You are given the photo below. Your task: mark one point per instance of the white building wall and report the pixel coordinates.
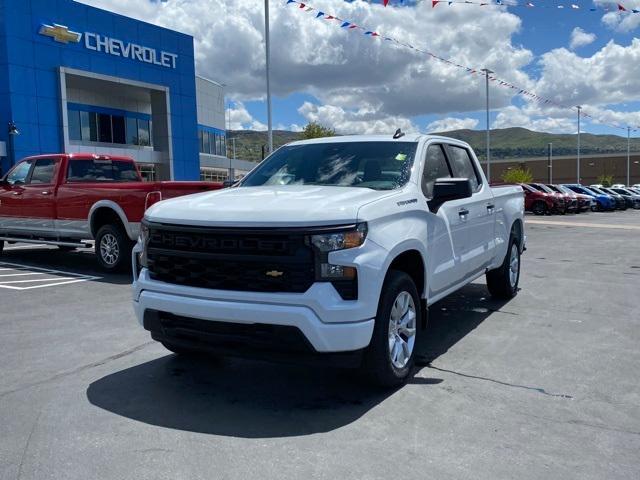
(210, 103)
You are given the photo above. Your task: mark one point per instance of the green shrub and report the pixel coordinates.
(517, 175)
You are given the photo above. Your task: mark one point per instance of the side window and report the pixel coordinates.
(43, 171)
(435, 166)
(88, 170)
(462, 165)
(20, 173)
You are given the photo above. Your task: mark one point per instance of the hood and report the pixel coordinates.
(267, 206)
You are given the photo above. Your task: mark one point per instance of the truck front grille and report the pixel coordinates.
(252, 260)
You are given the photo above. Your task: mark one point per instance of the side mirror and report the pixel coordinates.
(448, 189)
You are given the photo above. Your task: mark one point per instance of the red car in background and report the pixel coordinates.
(538, 201)
(580, 203)
(561, 199)
(65, 199)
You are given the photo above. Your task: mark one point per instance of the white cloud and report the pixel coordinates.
(451, 123)
(354, 122)
(621, 21)
(240, 119)
(530, 118)
(580, 38)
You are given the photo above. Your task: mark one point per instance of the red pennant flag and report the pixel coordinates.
(385, 2)
(434, 3)
(621, 8)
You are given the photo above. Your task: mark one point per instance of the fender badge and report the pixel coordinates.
(274, 274)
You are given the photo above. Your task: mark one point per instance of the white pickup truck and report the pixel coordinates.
(331, 249)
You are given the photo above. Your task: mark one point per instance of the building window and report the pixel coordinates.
(132, 130)
(147, 172)
(104, 128)
(75, 131)
(211, 143)
(126, 129)
(118, 124)
(214, 174)
(144, 133)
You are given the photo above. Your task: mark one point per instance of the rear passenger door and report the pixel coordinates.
(477, 212)
(38, 197)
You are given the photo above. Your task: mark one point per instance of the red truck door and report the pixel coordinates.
(27, 203)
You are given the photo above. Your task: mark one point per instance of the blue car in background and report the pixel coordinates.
(601, 202)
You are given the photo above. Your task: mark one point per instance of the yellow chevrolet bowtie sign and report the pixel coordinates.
(60, 33)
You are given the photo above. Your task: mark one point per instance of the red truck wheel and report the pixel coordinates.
(113, 248)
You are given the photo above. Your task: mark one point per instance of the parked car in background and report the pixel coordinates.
(570, 199)
(600, 201)
(64, 199)
(620, 202)
(583, 202)
(632, 197)
(618, 185)
(620, 199)
(636, 185)
(537, 201)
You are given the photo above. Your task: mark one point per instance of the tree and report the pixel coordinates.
(517, 175)
(605, 180)
(315, 130)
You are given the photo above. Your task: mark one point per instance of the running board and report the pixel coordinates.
(46, 242)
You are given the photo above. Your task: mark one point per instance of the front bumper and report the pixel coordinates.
(323, 337)
(327, 322)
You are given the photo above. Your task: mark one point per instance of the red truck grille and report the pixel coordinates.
(266, 260)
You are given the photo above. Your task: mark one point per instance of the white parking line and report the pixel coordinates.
(54, 277)
(19, 274)
(38, 280)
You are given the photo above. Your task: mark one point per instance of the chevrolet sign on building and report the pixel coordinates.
(112, 46)
(80, 79)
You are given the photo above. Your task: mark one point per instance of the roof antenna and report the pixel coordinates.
(399, 134)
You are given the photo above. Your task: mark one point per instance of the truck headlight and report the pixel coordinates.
(144, 241)
(330, 242)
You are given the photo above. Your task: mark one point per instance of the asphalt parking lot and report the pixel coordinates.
(544, 386)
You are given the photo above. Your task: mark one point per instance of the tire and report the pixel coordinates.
(539, 208)
(113, 248)
(503, 281)
(386, 363)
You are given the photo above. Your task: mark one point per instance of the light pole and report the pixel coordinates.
(578, 160)
(628, 156)
(268, 65)
(486, 75)
(12, 131)
(550, 158)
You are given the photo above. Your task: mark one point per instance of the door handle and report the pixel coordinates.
(46, 192)
(491, 207)
(463, 212)
(17, 193)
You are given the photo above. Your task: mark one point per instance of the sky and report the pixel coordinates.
(354, 83)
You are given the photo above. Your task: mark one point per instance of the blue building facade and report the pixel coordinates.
(77, 78)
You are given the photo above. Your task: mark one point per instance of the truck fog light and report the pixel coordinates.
(328, 270)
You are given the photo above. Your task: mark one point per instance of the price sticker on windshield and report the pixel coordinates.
(401, 157)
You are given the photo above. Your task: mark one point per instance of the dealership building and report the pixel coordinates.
(74, 78)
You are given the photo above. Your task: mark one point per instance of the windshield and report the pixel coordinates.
(592, 191)
(544, 188)
(375, 165)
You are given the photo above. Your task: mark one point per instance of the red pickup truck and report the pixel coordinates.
(66, 199)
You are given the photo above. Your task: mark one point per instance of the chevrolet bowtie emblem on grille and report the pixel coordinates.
(274, 274)
(60, 33)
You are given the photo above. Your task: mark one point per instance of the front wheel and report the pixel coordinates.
(389, 359)
(503, 281)
(539, 208)
(113, 248)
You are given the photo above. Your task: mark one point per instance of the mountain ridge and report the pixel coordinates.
(514, 142)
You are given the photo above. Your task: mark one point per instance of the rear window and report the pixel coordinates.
(101, 170)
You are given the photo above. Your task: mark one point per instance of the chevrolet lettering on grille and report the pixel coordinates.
(204, 243)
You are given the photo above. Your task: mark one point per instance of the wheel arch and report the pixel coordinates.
(107, 212)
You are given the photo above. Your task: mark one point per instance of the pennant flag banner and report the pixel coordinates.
(353, 27)
(612, 6)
